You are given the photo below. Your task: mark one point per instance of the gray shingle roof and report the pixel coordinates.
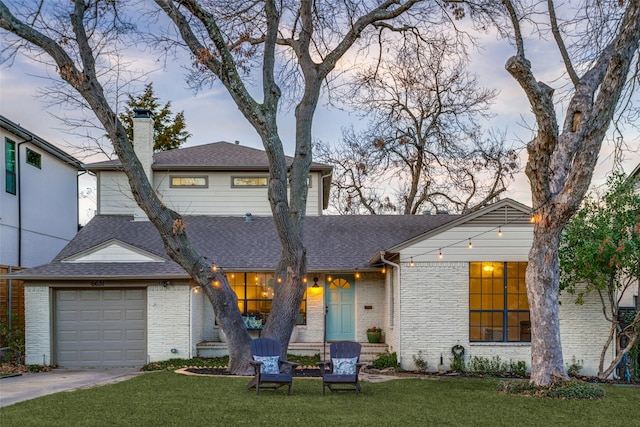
(334, 243)
(214, 156)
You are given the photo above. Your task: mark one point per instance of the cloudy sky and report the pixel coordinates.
(212, 116)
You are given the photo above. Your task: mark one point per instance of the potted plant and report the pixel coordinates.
(374, 334)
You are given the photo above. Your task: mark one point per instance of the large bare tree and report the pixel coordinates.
(225, 39)
(561, 159)
(424, 147)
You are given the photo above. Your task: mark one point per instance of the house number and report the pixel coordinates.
(97, 283)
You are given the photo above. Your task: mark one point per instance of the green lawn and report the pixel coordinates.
(169, 399)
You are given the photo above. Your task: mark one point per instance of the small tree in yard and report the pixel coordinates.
(600, 252)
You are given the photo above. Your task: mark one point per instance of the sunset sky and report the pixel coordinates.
(212, 116)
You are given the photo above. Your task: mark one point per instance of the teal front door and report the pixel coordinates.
(340, 304)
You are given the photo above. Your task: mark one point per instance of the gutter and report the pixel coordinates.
(396, 267)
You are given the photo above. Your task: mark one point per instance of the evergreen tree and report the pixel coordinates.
(169, 130)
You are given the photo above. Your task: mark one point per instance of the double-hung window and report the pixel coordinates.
(498, 304)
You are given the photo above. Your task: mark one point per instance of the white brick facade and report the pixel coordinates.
(435, 316)
(168, 321)
(38, 325)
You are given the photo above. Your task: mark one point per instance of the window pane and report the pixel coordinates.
(249, 181)
(475, 269)
(474, 286)
(34, 158)
(498, 286)
(498, 302)
(475, 302)
(188, 181)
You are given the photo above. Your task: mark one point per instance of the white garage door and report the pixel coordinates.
(100, 327)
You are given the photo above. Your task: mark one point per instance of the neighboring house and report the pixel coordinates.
(629, 299)
(113, 297)
(38, 198)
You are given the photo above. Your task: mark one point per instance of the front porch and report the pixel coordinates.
(368, 353)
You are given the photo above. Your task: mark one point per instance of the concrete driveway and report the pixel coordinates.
(29, 386)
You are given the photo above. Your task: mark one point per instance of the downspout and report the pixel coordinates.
(321, 185)
(395, 267)
(19, 167)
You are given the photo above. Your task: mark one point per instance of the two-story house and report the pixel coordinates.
(113, 297)
(38, 197)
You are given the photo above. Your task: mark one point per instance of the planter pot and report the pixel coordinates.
(374, 337)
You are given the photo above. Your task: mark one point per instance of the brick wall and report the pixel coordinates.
(168, 321)
(38, 325)
(434, 311)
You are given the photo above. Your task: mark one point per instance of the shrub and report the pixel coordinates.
(573, 369)
(421, 364)
(559, 390)
(385, 360)
(484, 365)
(458, 365)
(518, 368)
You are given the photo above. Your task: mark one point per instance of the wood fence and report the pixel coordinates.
(17, 298)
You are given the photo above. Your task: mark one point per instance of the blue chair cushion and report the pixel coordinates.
(344, 366)
(269, 365)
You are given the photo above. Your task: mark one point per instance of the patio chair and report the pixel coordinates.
(269, 369)
(341, 372)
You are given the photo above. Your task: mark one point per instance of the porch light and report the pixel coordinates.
(316, 289)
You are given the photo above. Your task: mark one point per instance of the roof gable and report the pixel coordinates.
(113, 251)
(504, 212)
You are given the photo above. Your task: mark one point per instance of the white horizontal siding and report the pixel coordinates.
(114, 194)
(514, 245)
(219, 198)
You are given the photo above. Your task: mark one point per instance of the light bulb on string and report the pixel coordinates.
(470, 244)
(499, 231)
(411, 263)
(440, 254)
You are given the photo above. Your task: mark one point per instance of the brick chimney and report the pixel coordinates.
(143, 146)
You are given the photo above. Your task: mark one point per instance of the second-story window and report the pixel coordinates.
(34, 159)
(189, 181)
(10, 165)
(249, 181)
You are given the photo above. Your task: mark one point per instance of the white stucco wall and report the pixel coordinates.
(168, 321)
(38, 325)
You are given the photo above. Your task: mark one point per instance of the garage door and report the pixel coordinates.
(100, 327)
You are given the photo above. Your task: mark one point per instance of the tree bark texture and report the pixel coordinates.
(560, 167)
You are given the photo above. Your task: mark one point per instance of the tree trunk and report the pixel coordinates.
(542, 276)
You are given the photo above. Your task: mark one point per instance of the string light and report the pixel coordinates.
(532, 215)
(384, 270)
(357, 274)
